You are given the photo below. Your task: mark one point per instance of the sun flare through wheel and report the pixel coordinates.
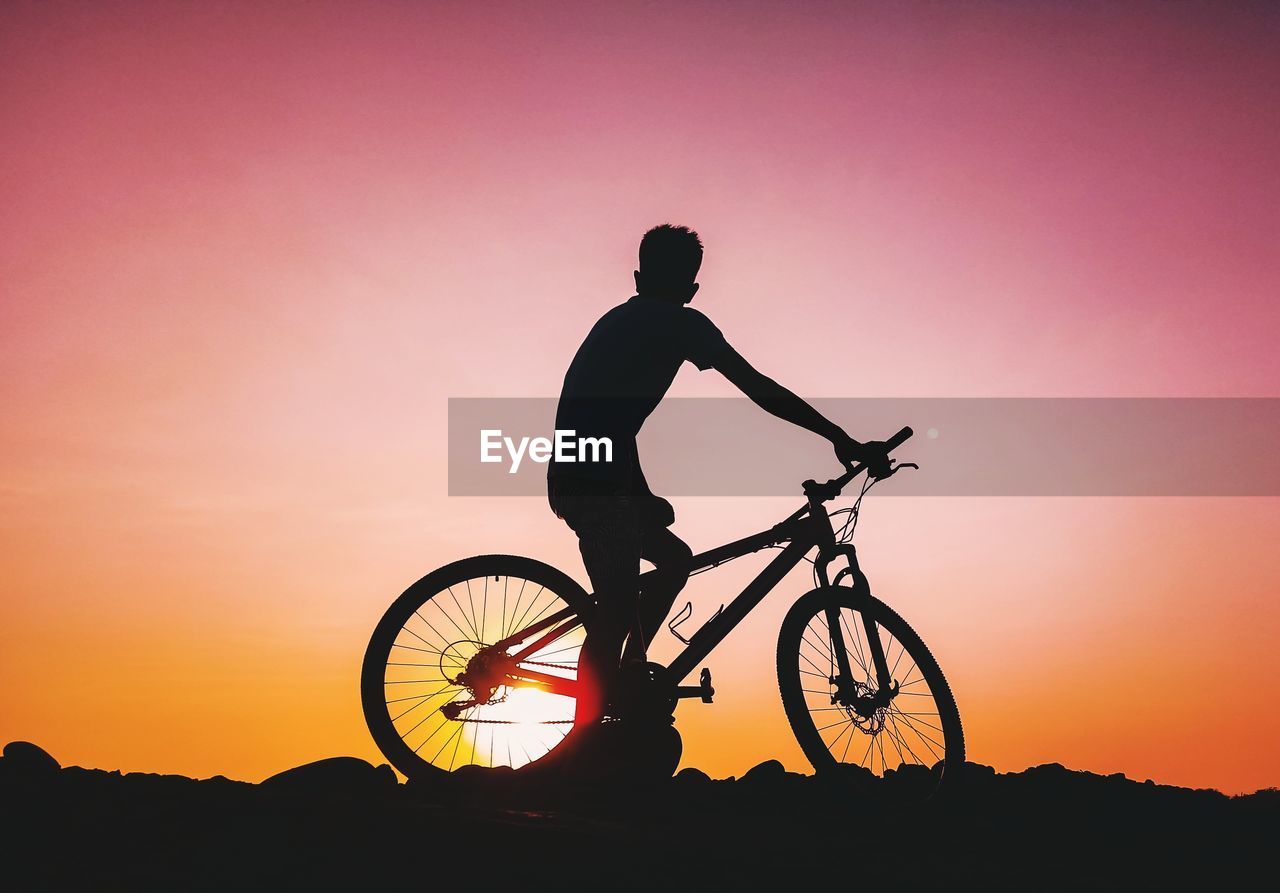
(462, 669)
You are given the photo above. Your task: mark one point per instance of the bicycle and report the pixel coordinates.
(433, 692)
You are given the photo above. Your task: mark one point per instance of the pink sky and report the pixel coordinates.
(249, 250)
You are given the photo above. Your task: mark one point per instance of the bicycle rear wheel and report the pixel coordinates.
(917, 731)
(432, 655)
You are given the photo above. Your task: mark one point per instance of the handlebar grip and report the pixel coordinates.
(899, 439)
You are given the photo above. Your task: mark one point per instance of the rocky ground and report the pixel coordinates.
(346, 824)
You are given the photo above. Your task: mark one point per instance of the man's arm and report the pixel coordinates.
(777, 400)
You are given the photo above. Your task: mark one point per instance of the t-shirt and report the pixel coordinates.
(620, 374)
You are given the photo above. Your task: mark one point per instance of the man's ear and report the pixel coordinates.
(636, 273)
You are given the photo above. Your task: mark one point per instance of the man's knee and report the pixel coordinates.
(681, 559)
(670, 555)
(661, 545)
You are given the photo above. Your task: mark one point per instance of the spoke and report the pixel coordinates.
(832, 746)
(418, 613)
(884, 763)
(919, 734)
(414, 634)
(894, 671)
(407, 698)
(475, 634)
(832, 661)
(575, 646)
(392, 663)
(507, 625)
(502, 624)
(405, 736)
(904, 716)
(870, 745)
(903, 741)
(856, 638)
(836, 723)
(811, 663)
(844, 754)
(894, 742)
(453, 758)
(919, 737)
(479, 627)
(424, 699)
(414, 648)
(826, 656)
(822, 649)
(447, 616)
(913, 681)
(492, 732)
(825, 677)
(551, 604)
(537, 595)
(456, 733)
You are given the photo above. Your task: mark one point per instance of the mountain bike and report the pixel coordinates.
(476, 663)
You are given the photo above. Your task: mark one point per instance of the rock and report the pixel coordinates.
(24, 759)
(973, 777)
(693, 778)
(469, 778)
(336, 775)
(770, 771)
(626, 752)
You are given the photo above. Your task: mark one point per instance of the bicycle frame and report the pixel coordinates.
(807, 528)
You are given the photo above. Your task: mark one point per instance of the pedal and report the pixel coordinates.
(702, 690)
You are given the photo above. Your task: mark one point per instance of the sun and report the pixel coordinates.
(520, 728)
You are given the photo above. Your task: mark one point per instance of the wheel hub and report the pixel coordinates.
(482, 676)
(865, 706)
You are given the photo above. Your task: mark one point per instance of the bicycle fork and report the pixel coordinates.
(847, 689)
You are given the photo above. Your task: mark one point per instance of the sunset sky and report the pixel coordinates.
(249, 250)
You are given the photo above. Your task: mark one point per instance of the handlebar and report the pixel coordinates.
(899, 439)
(831, 489)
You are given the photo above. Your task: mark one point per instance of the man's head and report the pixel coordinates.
(669, 260)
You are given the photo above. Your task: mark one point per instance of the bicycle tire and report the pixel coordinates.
(800, 710)
(374, 670)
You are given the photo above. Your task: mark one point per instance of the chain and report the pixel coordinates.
(535, 663)
(512, 722)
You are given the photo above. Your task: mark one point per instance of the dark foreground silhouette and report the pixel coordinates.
(344, 822)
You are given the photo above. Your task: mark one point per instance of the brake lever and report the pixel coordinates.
(895, 468)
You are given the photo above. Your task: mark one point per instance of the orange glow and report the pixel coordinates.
(249, 250)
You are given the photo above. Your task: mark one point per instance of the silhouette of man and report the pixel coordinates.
(617, 378)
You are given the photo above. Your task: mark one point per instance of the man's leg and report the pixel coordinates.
(609, 540)
(670, 557)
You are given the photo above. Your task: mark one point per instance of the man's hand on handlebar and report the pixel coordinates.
(874, 454)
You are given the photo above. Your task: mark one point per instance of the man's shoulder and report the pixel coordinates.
(680, 314)
(696, 317)
(639, 316)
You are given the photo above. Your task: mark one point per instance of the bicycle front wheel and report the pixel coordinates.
(916, 729)
(436, 685)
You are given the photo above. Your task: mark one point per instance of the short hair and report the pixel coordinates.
(670, 255)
